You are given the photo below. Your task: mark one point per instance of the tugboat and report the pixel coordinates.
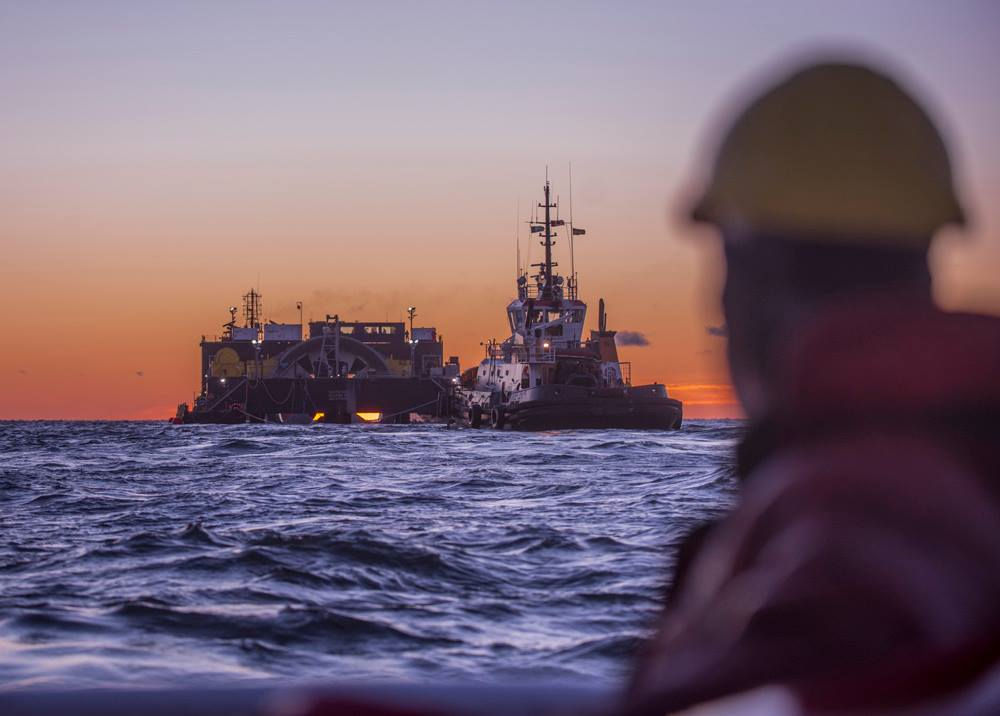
(545, 376)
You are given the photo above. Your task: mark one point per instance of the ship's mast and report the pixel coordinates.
(251, 309)
(547, 266)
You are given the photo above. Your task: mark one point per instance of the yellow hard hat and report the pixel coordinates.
(835, 153)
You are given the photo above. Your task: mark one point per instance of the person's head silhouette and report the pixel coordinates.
(834, 180)
(852, 575)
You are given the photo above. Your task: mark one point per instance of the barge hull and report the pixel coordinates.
(330, 400)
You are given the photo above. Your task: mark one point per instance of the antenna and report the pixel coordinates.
(517, 236)
(572, 258)
(527, 261)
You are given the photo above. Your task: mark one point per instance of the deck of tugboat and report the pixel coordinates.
(533, 353)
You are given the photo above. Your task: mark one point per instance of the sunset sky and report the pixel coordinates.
(158, 159)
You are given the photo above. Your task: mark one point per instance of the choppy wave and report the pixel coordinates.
(155, 554)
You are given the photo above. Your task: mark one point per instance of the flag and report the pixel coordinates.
(557, 222)
(579, 232)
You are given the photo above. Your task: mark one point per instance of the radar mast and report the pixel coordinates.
(544, 276)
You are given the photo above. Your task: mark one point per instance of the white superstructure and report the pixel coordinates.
(546, 344)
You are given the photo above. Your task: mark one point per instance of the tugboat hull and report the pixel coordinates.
(565, 407)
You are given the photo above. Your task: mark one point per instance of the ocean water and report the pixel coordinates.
(157, 555)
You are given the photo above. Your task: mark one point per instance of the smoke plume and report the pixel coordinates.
(631, 338)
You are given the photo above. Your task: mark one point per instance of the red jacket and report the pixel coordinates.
(862, 566)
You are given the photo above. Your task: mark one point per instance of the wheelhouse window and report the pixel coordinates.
(515, 318)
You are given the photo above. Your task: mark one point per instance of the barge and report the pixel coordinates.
(343, 372)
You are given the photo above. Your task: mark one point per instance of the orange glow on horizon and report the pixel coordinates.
(151, 176)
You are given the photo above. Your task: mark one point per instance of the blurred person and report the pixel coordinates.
(860, 571)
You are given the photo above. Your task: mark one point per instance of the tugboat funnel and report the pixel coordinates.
(604, 338)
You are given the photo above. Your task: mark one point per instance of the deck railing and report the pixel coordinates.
(524, 353)
(531, 290)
